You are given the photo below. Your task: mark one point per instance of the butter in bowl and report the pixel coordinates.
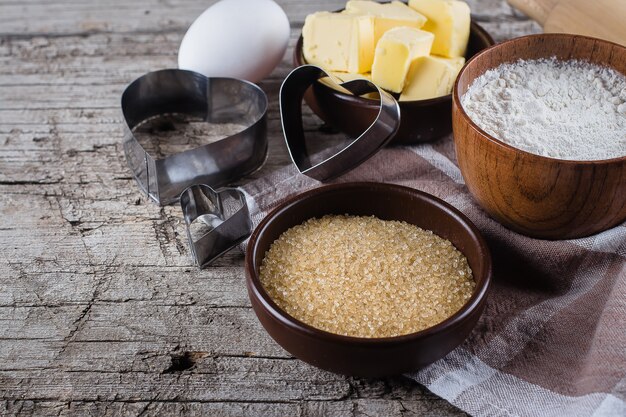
(413, 51)
(395, 45)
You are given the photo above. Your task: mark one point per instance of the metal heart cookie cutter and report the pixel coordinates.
(219, 219)
(216, 221)
(215, 100)
(360, 149)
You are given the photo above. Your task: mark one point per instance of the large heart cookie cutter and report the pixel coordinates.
(377, 135)
(216, 221)
(215, 100)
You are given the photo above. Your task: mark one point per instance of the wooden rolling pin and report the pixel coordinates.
(605, 19)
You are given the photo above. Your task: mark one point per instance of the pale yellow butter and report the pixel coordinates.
(449, 20)
(387, 15)
(344, 77)
(349, 76)
(394, 54)
(456, 63)
(338, 41)
(431, 77)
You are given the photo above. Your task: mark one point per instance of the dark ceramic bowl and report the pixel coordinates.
(421, 120)
(371, 357)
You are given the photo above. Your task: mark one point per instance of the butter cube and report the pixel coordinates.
(344, 76)
(386, 16)
(339, 42)
(431, 77)
(349, 76)
(449, 20)
(394, 54)
(456, 63)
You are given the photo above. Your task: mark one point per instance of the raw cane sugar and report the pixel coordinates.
(366, 277)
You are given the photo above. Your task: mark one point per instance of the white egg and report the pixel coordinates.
(243, 39)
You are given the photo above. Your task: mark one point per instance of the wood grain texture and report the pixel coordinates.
(602, 19)
(101, 310)
(538, 10)
(538, 196)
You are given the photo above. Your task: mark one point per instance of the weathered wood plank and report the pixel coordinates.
(202, 380)
(70, 17)
(357, 408)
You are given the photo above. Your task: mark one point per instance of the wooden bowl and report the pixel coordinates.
(534, 195)
(372, 357)
(422, 120)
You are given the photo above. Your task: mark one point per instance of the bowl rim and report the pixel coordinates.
(298, 59)
(508, 43)
(277, 313)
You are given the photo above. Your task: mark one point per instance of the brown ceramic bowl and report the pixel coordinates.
(372, 357)
(421, 120)
(534, 195)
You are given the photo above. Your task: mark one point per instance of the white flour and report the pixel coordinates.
(561, 109)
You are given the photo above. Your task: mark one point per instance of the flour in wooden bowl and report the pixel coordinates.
(570, 110)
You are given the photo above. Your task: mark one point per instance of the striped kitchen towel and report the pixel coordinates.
(552, 340)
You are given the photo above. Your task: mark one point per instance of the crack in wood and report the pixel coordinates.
(85, 34)
(183, 361)
(79, 322)
(30, 182)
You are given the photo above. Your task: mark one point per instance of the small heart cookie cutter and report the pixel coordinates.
(360, 149)
(216, 221)
(215, 100)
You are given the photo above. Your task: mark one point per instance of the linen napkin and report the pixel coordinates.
(552, 340)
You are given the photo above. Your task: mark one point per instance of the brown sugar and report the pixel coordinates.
(366, 277)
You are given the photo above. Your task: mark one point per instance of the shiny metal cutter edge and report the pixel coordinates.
(377, 135)
(224, 216)
(216, 100)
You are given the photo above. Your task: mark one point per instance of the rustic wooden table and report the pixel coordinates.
(101, 310)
